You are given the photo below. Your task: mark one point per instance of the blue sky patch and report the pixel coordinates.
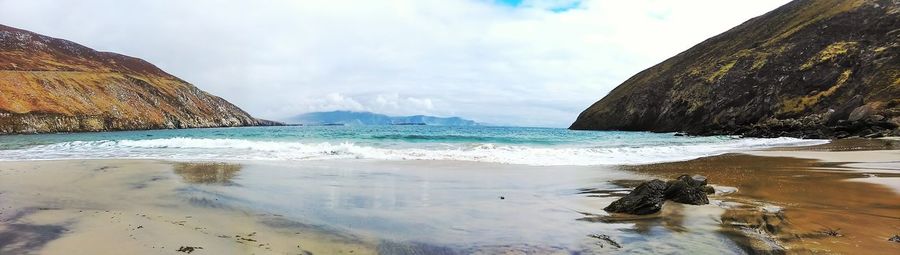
(562, 7)
(513, 3)
(554, 6)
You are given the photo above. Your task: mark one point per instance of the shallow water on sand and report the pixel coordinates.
(764, 204)
(464, 207)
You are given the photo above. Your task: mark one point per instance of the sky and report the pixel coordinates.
(504, 62)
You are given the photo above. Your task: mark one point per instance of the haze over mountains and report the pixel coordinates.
(368, 118)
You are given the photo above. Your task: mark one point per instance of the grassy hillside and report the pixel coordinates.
(54, 85)
(799, 70)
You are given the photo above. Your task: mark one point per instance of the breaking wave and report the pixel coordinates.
(181, 148)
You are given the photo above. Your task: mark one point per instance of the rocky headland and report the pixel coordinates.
(54, 85)
(808, 69)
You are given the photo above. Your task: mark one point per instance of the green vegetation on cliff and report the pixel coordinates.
(811, 68)
(54, 85)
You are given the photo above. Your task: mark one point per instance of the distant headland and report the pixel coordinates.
(351, 118)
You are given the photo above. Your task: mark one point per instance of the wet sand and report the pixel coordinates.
(832, 198)
(332, 207)
(835, 200)
(132, 207)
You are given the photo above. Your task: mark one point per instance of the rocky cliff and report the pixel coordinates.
(53, 85)
(811, 68)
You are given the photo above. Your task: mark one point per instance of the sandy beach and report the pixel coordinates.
(130, 207)
(823, 199)
(316, 207)
(842, 197)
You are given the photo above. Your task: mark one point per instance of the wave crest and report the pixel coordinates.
(182, 148)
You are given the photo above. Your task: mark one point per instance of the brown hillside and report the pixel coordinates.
(811, 68)
(53, 85)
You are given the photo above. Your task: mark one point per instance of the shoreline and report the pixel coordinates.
(96, 206)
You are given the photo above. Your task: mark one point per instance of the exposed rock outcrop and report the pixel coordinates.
(687, 190)
(810, 69)
(649, 197)
(646, 198)
(53, 85)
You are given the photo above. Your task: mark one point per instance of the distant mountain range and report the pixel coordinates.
(368, 118)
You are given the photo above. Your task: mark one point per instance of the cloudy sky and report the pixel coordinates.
(511, 62)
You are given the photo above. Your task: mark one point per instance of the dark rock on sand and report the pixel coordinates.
(709, 190)
(895, 238)
(843, 112)
(695, 181)
(832, 232)
(686, 191)
(647, 198)
(606, 239)
(189, 249)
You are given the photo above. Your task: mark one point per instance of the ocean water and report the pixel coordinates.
(393, 185)
(507, 145)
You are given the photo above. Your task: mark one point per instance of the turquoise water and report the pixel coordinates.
(362, 182)
(511, 145)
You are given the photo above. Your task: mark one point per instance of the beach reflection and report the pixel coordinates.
(430, 206)
(676, 228)
(207, 173)
(781, 204)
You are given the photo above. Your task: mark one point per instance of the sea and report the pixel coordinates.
(504, 145)
(419, 189)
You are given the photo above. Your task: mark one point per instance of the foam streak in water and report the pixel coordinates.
(181, 148)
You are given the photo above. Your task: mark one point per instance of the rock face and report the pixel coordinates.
(53, 85)
(687, 190)
(811, 69)
(648, 197)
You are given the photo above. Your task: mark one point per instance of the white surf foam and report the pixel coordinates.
(237, 149)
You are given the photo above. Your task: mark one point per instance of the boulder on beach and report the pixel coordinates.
(687, 190)
(682, 192)
(895, 238)
(648, 197)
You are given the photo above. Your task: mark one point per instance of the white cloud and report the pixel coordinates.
(391, 103)
(472, 58)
